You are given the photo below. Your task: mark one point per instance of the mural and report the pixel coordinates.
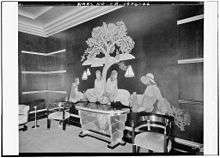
(109, 45)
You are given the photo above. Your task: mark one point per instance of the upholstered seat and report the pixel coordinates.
(152, 141)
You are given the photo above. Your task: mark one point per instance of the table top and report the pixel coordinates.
(60, 104)
(100, 108)
(59, 115)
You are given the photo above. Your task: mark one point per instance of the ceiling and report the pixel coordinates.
(47, 20)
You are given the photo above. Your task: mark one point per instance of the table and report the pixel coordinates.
(61, 115)
(102, 122)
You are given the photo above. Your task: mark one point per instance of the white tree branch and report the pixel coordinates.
(114, 43)
(103, 50)
(106, 45)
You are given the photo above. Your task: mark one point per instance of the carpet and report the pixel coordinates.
(56, 140)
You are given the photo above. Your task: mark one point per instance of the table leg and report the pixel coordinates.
(113, 140)
(48, 123)
(111, 145)
(64, 125)
(25, 128)
(83, 133)
(35, 118)
(123, 143)
(116, 137)
(134, 148)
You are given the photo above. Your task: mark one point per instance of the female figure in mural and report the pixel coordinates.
(113, 93)
(112, 86)
(96, 93)
(98, 86)
(152, 100)
(75, 95)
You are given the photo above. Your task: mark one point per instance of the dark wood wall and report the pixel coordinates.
(159, 43)
(190, 76)
(31, 63)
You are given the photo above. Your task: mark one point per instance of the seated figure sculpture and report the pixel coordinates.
(151, 100)
(75, 95)
(96, 93)
(115, 94)
(110, 94)
(112, 86)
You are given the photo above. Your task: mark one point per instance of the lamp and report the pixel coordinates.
(88, 72)
(129, 72)
(84, 76)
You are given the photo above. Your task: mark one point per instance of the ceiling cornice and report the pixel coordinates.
(72, 19)
(31, 29)
(33, 16)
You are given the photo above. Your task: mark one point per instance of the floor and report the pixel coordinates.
(43, 140)
(55, 141)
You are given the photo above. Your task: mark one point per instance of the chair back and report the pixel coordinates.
(23, 109)
(158, 127)
(147, 121)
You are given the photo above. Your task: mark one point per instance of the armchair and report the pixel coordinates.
(152, 132)
(23, 116)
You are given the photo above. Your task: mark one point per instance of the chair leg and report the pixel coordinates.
(68, 121)
(134, 148)
(64, 125)
(150, 151)
(138, 149)
(25, 128)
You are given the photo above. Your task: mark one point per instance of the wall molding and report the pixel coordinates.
(33, 53)
(53, 91)
(189, 102)
(33, 92)
(190, 61)
(44, 91)
(43, 72)
(43, 54)
(56, 52)
(190, 19)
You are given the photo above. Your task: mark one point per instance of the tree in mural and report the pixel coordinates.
(108, 45)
